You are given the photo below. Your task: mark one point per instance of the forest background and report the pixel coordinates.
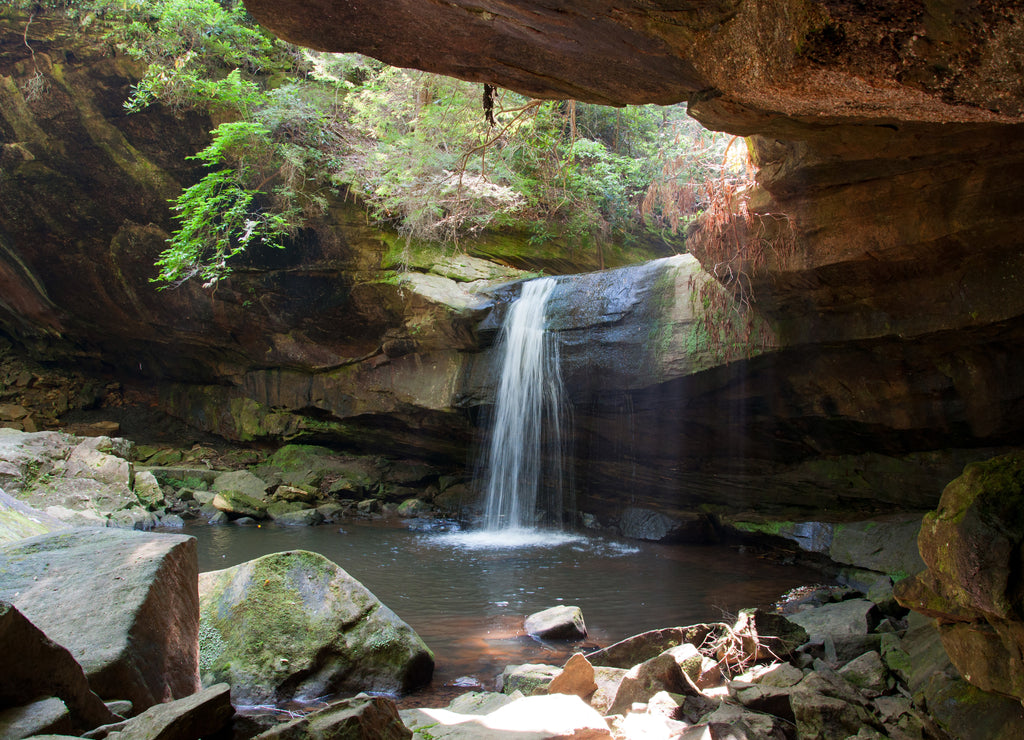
(436, 158)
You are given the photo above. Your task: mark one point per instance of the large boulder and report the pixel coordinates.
(124, 603)
(36, 667)
(974, 585)
(293, 625)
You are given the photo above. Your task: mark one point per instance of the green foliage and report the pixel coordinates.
(220, 215)
(298, 127)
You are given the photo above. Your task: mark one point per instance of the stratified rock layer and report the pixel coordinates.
(973, 586)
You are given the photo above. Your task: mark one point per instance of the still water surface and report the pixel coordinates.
(467, 598)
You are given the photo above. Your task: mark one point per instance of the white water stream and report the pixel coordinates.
(525, 484)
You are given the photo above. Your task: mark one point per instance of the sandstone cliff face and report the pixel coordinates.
(882, 242)
(888, 146)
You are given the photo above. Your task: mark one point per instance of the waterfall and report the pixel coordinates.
(524, 461)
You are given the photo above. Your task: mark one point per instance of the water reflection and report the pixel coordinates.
(468, 600)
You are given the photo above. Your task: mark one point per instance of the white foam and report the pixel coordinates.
(507, 539)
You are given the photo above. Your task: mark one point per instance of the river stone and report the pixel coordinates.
(643, 681)
(293, 625)
(849, 618)
(299, 518)
(237, 504)
(148, 491)
(359, 718)
(576, 677)
(607, 679)
(203, 714)
(240, 481)
(531, 679)
(557, 623)
(124, 603)
(87, 461)
(413, 507)
(36, 666)
(45, 716)
(294, 494)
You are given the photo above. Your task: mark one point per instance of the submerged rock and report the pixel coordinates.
(293, 625)
(123, 603)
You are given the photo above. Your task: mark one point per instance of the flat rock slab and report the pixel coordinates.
(843, 619)
(124, 603)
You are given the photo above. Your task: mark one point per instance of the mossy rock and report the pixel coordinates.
(237, 504)
(295, 626)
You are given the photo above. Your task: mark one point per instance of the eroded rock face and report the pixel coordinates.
(973, 587)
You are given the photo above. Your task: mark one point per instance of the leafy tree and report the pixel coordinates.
(437, 158)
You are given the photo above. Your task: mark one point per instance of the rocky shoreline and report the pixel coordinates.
(829, 662)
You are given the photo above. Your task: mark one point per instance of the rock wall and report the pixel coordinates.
(882, 354)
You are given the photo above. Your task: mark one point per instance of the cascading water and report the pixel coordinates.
(524, 466)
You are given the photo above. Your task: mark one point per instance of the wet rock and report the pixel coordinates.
(576, 677)
(293, 625)
(557, 623)
(124, 603)
(203, 714)
(300, 518)
(530, 679)
(35, 666)
(362, 717)
(648, 524)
